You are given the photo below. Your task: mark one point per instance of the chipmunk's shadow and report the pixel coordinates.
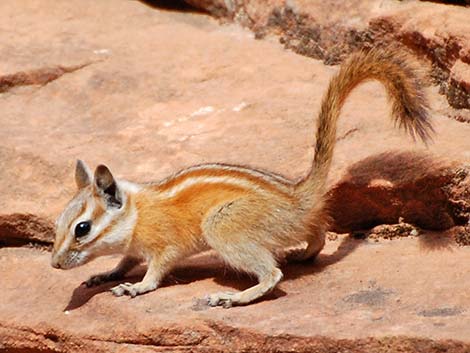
(171, 5)
(208, 265)
(193, 269)
(296, 270)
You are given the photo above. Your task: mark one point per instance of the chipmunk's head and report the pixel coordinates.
(99, 220)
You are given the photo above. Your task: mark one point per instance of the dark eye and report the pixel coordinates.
(82, 229)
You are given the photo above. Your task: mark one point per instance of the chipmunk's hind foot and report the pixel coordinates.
(315, 243)
(308, 253)
(229, 299)
(298, 255)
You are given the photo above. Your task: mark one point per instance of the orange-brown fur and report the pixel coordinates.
(246, 215)
(183, 214)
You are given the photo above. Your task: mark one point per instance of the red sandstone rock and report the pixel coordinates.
(386, 296)
(386, 187)
(330, 30)
(20, 229)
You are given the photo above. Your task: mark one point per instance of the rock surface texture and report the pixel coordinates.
(151, 87)
(329, 30)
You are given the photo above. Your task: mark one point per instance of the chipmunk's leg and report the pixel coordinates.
(252, 259)
(126, 264)
(316, 232)
(158, 266)
(315, 244)
(240, 245)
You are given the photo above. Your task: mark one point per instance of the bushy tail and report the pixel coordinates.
(409, 106)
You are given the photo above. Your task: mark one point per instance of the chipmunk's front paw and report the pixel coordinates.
(225, 299)
(101, 278)
(132, 289)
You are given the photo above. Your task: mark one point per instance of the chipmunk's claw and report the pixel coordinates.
(101, 278)
(132, 290)
(224, 299)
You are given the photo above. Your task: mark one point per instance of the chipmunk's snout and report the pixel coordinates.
(55, 263)
(69, 259)
(55, 260)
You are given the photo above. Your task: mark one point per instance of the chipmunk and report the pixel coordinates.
(245, 215)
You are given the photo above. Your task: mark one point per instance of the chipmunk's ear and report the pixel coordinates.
(82, 175)
(107, 186)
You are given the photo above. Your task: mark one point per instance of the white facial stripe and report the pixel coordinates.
(99, 225)
(208, 180)
(120, 232)
(64, 247)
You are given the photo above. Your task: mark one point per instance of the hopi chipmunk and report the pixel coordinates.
(246, 215)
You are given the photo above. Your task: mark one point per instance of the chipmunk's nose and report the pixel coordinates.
(55, 263)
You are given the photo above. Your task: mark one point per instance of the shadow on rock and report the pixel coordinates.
(82, 294)
(383, 188)
(322, 261)
(170, 5)
(208, 265)
(193, 269)
(437, 241)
